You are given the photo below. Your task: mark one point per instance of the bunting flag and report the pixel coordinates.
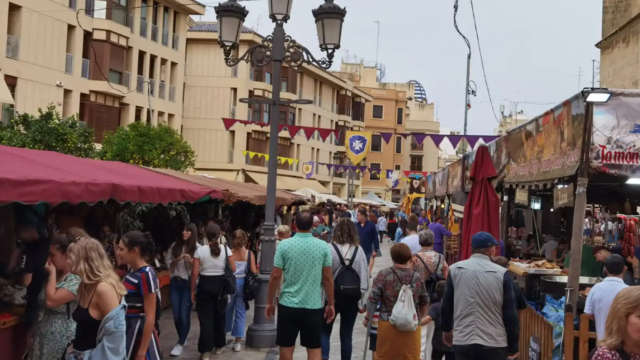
(338, 168)
(386, 137)
(472, 140)
(282, 159)
(307, 169)
(437, 139)
(404, 135)
(324, 133)
(329, 167)
(362, 169)
(419, 138)
(455, 140)
(357, 145)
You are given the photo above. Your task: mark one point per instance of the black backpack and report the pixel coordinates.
(347, 280)
(432, 280)
(251, 282)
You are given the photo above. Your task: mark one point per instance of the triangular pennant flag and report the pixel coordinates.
(295, 161)
(228, 123)
(338, 168)
(472, 140)
(281, 127)
(404, 135)
(308, 131)
(324, 133)
(424, 173)
(336, 133)
(244, 152)
(362, 169)
(293, 130)
(406, 173)
(419, 138)
(329, 166)
(266, 157)
(352, 168)
(437, 139)
(386, 137)
(455, 140)
(489, 138)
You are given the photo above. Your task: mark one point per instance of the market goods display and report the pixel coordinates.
(629, 239)
(540, 264)
(585, 292)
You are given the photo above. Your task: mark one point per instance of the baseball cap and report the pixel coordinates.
(483, 240)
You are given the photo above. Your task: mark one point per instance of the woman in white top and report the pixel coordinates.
(237, 310)
(382, 227)
(180, 260)
(211, 301)
(345, 240)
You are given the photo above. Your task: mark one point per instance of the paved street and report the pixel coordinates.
(169, 336)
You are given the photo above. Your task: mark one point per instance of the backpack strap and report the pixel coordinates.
(248, 269)
(425, 265)
(340, 254)
(353, 258)
(439, 260)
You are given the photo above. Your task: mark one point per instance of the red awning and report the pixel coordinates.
(34, 176)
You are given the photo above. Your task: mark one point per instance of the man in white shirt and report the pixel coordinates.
(602, 294)
(412, 239)
(550, 244)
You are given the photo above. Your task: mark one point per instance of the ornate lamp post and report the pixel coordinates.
(275, 48)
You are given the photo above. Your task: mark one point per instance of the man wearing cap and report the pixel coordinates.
(479, 316)
(593, 259)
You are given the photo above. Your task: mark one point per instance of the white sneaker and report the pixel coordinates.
(218, 351)
(177, 350)
(237, 347)
(205, 356)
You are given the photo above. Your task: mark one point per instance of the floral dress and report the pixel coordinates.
(602, 353)
(56, 328)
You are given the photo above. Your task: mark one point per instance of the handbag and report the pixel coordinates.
(229, 286)
(251, 281)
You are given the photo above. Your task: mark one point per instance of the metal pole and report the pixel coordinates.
(262, 333)
(350, 188)
(466, 98)
(593, 73)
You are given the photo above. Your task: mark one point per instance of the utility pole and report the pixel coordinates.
(580, 72)
(593, 73)
(467, 90)
(377, 49)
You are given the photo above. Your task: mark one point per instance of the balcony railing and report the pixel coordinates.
(13, 47)
(416, 147)
(126, 80)
(165, 37)
(175, 41)
(154, 33)
(72, 4)
(234, 71)
(143, 28)
(172, 93)
(152, 87)
(161, 89)
(140, 84)
(85, 68)
(68, 64)
(130, 22)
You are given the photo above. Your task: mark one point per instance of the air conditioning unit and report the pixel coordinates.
(232, 112)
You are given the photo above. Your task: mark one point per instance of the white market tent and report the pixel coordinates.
(373, 197)
(319, 197)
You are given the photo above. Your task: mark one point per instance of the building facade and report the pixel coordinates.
(510, 121)
(213, 91)
(110, 62)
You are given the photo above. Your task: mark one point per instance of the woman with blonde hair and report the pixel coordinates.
(236, 313)
(100, 314)
(622, 329)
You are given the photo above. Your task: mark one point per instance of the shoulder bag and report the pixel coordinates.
(229, 285)
(251, 281)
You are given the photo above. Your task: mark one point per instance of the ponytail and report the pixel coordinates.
(213, 232)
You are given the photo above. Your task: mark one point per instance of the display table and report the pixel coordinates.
(164, 278)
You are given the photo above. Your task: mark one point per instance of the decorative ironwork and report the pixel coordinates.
(295, 55)
(258, 54)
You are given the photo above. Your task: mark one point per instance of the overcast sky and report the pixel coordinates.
(532, 50)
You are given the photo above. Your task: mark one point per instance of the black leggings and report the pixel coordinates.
(211, 305)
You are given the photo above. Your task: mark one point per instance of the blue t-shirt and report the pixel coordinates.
(369, 237)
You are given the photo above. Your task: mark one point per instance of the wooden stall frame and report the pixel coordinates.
(583, 334)
(532, 323)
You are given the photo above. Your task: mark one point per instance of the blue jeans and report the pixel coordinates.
(181, 306)
(348, 315)
(236, 312)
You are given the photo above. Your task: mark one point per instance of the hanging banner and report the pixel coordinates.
(307, 169)
(357, 145)
(392, 178)
(469, 158)
(522, 197)
(547, 147)
(455, 177)
(431, 187)
(615, 141)
(563, 197)
(441, 182)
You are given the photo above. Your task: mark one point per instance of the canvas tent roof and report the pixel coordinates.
(373, 197)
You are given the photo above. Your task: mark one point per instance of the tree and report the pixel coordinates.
(146, 145)
(49, 131)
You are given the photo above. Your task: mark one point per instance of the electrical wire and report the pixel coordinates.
(484, 73)
(455, 24)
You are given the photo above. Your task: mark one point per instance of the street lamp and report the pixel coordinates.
(596, 95)
(275, 48)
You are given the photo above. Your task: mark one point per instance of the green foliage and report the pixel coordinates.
(49, 131)
(146, 145)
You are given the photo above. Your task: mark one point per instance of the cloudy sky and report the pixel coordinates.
(533, 50)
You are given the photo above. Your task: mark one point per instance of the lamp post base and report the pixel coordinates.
(261, 336)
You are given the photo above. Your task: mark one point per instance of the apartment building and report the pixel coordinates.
(396, 108)
(110, 62)
(510, 121)
(213, 90)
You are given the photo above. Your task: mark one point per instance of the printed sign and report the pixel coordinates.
(548, 147)
(469, 158)
(522, 197)
(441, 181)
(534, 348)
(455, 177)
(563, 197)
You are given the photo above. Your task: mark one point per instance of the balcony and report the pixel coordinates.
(154, 33)
(88, 7)
(13, 47)
(175, 41)
(140, 84)
(172, 93)
(165, 37)
(152, 87)
(143, 28)
(161, 89)
(72, 4)
(126, 80)
(85, 68)
(68, 64)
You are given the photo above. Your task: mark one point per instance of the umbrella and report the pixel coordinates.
(482, 210)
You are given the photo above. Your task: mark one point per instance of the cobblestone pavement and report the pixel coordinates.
(169, 336)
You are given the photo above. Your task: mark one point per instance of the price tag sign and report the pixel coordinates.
(534, 348)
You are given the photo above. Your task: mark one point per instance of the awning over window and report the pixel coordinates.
(219, 174)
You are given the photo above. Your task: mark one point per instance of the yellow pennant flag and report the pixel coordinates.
(357, 145)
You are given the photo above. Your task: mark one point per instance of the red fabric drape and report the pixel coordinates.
(482, 210)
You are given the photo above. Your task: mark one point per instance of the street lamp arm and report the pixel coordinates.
(258, 54)
(295, 55)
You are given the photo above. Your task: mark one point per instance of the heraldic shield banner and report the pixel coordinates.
(357, 145)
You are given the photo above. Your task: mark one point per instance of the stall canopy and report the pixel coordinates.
(306, 192)
(373, 197)
(234, 190)
(35, 176)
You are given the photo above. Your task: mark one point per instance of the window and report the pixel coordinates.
(282, 120)
(267, 78)
(374, 176)
(416, 163)
(376, 143)
(292, 118)
(285, 84)
(256, 112)
(399, 117)
(115, 77)
(398, 144)
(397, 167)
(378, 110)
(265, 114)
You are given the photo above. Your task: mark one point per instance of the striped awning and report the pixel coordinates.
(458, 200)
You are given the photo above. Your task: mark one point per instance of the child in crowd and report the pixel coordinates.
(440, 349)
(521, 301)
(373, 334)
